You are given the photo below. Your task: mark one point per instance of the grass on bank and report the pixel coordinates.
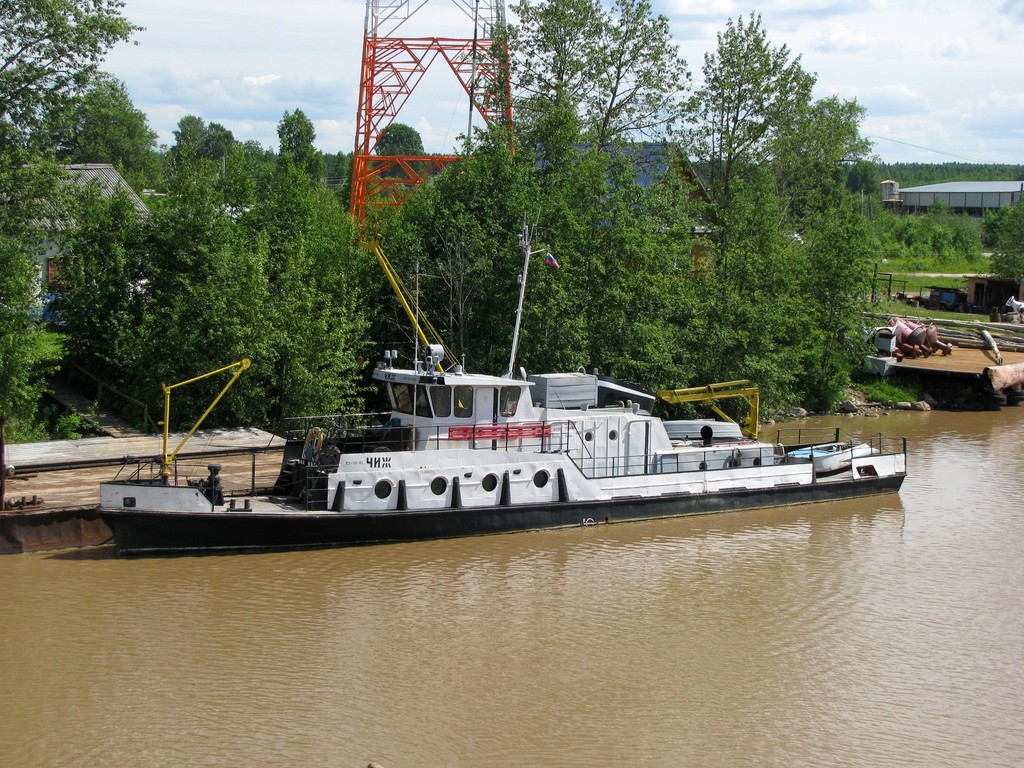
(887, 391)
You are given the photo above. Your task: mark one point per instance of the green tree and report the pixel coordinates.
(835, 283)
(102, 290)
(747, 317)
(751, 96)
(461, 231)
(20, 342)
(206, 292)
(297, 135)
(338, 175)
(810, 160)
(922, 242)
(103, 126)
(613, 301)
(399, 139)
(315, 302)
(50, 50)
(863, 176)
(642, 80)
(196, 139)
(1008, 241)
(555, 47)
(618, 69)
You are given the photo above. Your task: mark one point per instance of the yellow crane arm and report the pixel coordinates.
(168, 458)
(419, 322)
(713, 392)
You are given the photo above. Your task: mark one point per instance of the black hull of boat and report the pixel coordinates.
(138, 532)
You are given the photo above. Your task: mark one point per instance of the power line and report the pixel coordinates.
(928, 149)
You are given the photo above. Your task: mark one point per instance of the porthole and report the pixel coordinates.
(613, 435)
(588, 436)
(541, 478)
(382, 489)
(490, 482)
(439, 485)
(702, 466)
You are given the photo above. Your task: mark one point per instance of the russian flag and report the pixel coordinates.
(550, 261)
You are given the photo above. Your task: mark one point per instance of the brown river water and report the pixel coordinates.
(878, 632)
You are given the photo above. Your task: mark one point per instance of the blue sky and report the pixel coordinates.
(941, 80)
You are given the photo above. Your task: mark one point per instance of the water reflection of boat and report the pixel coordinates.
(463, 454)
(832, 457)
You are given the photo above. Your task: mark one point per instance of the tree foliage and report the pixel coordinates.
(399, 139)
(623, 249)
(1007, 233)
(753, 94)
(247, 256)
(810, 160)
(50, 50)
(103, 126)
(747, 317)
(617, 69)
(20, 382)
(920, 174)
(101, 283)
(196, 139)
(297, 135)
(921, 241)
(834, 283)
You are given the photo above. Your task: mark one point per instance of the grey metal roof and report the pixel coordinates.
(107, 179)
(969, 186)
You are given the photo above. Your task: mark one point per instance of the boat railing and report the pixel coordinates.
(298, 427)
(805, 437)
(802, 437)
(881, 445)
(716, 459)
(140, 471)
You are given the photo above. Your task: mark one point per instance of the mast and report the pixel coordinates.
(524, 240)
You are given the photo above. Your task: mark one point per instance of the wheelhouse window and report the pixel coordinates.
(508, 400)
(403, 396)
(463, 402)
(441, 400)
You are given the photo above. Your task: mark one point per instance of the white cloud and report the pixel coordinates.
(261, 79)
(926, 70)
(839, 38)
(894, 99)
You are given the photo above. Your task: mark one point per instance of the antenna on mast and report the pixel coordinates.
(525, 241)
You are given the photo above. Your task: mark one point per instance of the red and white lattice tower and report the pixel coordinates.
(392, 67)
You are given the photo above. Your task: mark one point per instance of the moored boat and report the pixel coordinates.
(463, 454)
(832, 457)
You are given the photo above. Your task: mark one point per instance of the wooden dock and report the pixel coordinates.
(54, 491)
(968, 379)
(963, 362)
(66, 454)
